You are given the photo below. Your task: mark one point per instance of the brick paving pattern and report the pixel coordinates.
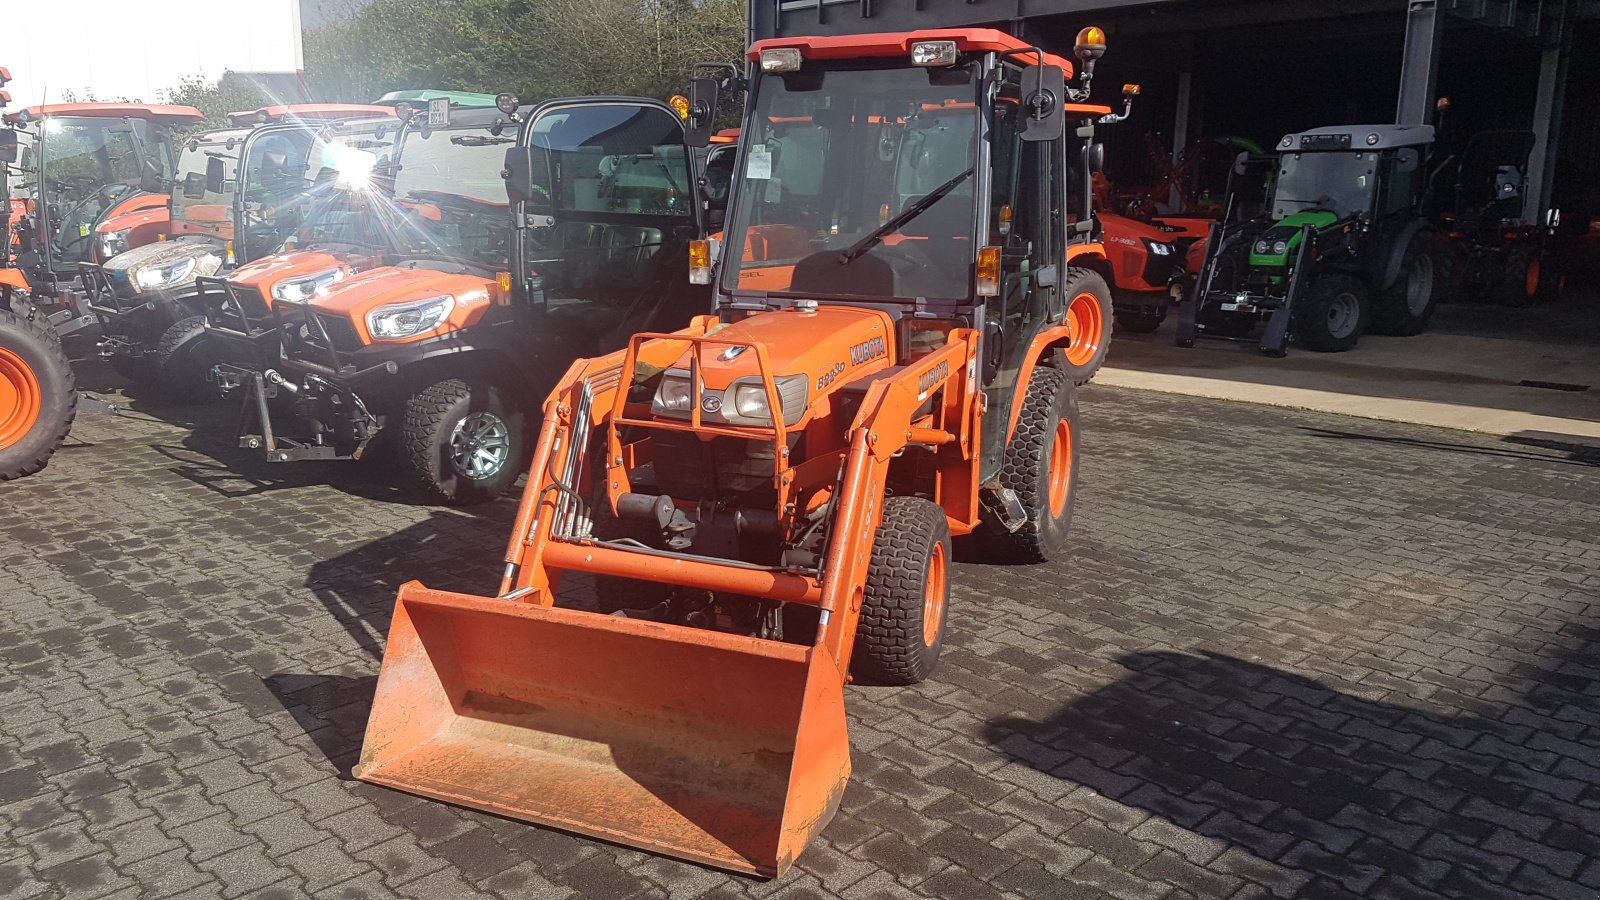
(1290, 655)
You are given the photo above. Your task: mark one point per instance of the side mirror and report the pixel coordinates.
(8, 145)
(216, 175)
(518, 174)
(702, 111)
(1096, 154)
(1552, 219)
(1043, 90)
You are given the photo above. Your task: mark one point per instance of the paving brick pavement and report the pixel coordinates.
(1289, 655)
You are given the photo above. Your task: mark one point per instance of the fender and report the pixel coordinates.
(1046, 340)
(12, 278)
(1397, 253)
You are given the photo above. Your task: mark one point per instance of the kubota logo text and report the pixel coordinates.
(867, 350)
(932, 377)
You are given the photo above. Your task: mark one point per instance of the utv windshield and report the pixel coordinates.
(448, 189)
(299, 181)
(1342, 183)
(195, 208)
(90, 164)
(858, 183)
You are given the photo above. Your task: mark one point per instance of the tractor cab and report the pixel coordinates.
(92, 161)
(1332, 238)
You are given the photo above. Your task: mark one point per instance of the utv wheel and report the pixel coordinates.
(1404, 309)
(1333, 314)
(1141, 321)
(463, 443)
(904, 605)
(38, 396)
(1041, 466)
(1089, 315)
(184, 358)
(1519, 281)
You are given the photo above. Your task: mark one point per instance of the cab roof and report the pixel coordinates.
(898, 43)
(158, 113)
(1335, 138)
(309, 111)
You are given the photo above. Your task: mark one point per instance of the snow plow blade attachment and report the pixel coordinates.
(720, 749)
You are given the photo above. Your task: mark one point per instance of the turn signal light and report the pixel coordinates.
(699, 262)
(1005, 220)
(989, 272)
(680, 105)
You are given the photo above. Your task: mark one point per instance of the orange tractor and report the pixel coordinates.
(38, 396)
(765, 500)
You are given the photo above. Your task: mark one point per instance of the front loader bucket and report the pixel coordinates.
(724, 750)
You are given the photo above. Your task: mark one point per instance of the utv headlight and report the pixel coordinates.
(112, 243)
(403, 320)
(1159, 248)
(152, 277)
(299, 290)
(1279, 248)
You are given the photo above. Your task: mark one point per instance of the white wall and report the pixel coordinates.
(139, 48)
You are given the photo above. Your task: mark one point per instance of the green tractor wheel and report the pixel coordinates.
(1333, 315)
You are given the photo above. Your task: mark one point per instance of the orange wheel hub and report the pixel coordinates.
(933, 595)
(20, 398)
(1088, 329)
(1532, 284)
(1060, 468)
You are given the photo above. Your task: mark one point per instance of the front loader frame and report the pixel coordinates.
(1233, 300)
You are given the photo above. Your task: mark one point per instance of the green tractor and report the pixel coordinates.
(1320, 243)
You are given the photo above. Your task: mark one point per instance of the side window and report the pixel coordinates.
(1403, 180)
(613, 159)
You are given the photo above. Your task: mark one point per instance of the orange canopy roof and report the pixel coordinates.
(159, 113)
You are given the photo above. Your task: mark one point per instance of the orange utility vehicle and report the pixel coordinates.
(37, 393)
(766, 498)
(152, 322)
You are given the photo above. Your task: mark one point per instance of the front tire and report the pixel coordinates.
(38, 396)
(1333, 315)
(906, 599)
(1089, 316)
(462, 442)
(184, 358)
(1404, 309)
(1041, 466)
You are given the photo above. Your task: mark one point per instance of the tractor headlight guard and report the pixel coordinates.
(398, 321)
(113, 242)
(299, 290)
(152, 277)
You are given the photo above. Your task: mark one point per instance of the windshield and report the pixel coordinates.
(836, 155)
(1341, 183)
(195, 208)
(448, 189)
(90, 164)
(292, 186)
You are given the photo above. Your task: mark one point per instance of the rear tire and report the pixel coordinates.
(1089, 314)
(184, 358)
(38, 396)
(1521, 277)
(1404, 309)
(1333, 315)
(463, 442)
(906, 600)
(1041, 466)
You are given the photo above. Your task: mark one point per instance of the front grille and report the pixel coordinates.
(340, 332)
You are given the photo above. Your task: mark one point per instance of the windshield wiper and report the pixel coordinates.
(911, 212)
(478, 140)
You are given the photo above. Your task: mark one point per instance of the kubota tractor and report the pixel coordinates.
(449, 347)
(151, 316)
(91, 162)
(38, 396)
(1342, 243)
(767, 497)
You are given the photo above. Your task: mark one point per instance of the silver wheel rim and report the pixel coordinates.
(1343, 313)
(480, 445)
(1419, 286)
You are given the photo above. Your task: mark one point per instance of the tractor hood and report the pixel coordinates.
(1279, 243)
(391, 290)
(164, 265)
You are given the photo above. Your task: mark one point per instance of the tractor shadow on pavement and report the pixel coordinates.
(1357, 797)
(1558, 451)
(331, 708)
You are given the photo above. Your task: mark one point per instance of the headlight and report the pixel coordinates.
(299, 290)
(1263, 247)
(403, 320)
(1280, 248)
(1161, 249)
(113, 242)
(743, 403)
(163, 276)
